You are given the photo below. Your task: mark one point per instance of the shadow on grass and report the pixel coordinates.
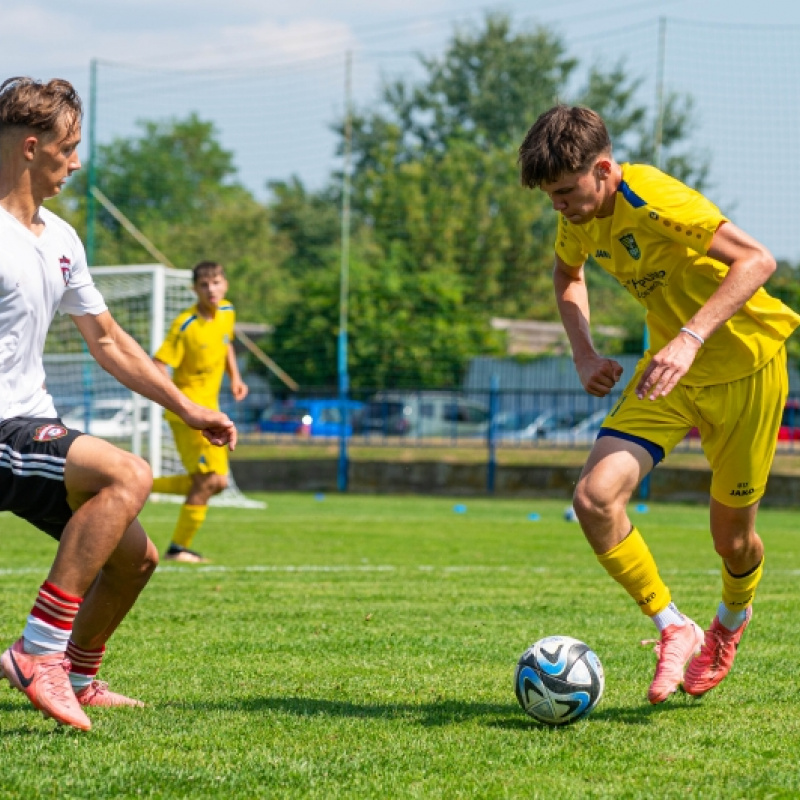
(506, 716)
(33, 723)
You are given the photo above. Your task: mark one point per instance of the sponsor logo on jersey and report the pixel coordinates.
(642, 287)
(46, 433)
(66, 269)
(742, 490)
(602, 254)
(630, 245)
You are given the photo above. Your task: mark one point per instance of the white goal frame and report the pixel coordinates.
(66, 356)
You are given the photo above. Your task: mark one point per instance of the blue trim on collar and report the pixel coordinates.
(631, 196)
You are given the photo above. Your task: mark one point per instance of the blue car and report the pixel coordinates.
(314, 417)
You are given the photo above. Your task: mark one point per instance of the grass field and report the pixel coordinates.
(364, 647)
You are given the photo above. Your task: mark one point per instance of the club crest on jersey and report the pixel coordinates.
(46, 433)
(66, 269)
(630, 245)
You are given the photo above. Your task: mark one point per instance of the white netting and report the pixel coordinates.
(144, 300)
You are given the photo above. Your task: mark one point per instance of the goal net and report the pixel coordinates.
(144, 300)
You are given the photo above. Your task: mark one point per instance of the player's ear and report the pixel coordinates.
(29, 147)
(602, 167)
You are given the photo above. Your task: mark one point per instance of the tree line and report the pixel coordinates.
(443, 238)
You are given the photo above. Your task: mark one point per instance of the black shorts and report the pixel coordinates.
(33, 451)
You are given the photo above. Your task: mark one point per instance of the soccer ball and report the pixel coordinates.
(558, 680)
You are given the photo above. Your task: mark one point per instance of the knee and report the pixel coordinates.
(732, 548)
(135, 477)
(591, 504)
(218, 483)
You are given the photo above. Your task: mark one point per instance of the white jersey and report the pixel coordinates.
(39, 275)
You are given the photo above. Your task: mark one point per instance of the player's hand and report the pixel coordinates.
(214, 425)
(599, 375)
(239, 390)
(221, 435)
(667, 367)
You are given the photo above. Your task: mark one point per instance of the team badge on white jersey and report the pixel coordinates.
(46, 433)
(66, 269)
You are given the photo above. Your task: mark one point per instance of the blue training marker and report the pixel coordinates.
(534, 517)
(319, 496)
(460, 508)
(642, 508)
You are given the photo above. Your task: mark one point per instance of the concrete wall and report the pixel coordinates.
(439, 478)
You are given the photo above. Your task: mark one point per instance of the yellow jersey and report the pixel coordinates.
(196, 348)
(656, 245)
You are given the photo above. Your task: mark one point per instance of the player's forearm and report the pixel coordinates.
(745, 277)
(231, 365)
(120, 355)
(572, 299)
(750, 265)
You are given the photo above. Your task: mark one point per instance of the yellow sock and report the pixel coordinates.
(189, 521)
(738, 590)
(631, 564)
(172, 484)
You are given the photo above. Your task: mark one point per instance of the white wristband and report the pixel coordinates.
(694, 335)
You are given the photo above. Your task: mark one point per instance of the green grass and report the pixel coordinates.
(364, 647)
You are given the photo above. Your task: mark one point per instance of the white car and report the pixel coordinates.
(584, 433)
(109, 418)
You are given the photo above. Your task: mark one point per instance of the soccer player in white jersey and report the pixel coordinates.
(82, 491)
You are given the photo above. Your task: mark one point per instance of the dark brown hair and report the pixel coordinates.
(206, 266)
(27, 103)
(564, 140)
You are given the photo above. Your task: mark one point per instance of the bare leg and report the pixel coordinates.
(106, 488)
(204, 486)
(115, 589)
(735, 537)
(609, 478)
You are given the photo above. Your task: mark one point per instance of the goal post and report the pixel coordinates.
(144, 299)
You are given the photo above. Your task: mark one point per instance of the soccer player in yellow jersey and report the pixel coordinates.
(716, 361)
(199, 349)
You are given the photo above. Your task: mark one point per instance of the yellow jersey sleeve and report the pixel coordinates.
(568, 244)
(669, 209)
(172, 349)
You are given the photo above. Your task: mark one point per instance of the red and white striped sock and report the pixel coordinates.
(85, 665)
(49, 624)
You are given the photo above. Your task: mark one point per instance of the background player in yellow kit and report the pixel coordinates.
(199, 348)
(717, 362)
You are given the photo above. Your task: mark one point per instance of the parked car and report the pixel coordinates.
(536, 425)
(584, 433)
(109, 417)
(423, 414)
(790, 422)
(312, 417)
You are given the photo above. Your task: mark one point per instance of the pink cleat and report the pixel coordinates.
(97, 693)
(678, 644)
(716, 656)
(45, 680)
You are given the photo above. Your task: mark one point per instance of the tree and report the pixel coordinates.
(178, 186)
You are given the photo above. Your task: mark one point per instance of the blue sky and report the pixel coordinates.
(295, 56)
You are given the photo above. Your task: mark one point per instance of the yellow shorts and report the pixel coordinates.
(197, 453)
(738, 424)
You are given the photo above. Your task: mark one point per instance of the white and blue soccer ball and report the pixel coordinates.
(558, 680)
